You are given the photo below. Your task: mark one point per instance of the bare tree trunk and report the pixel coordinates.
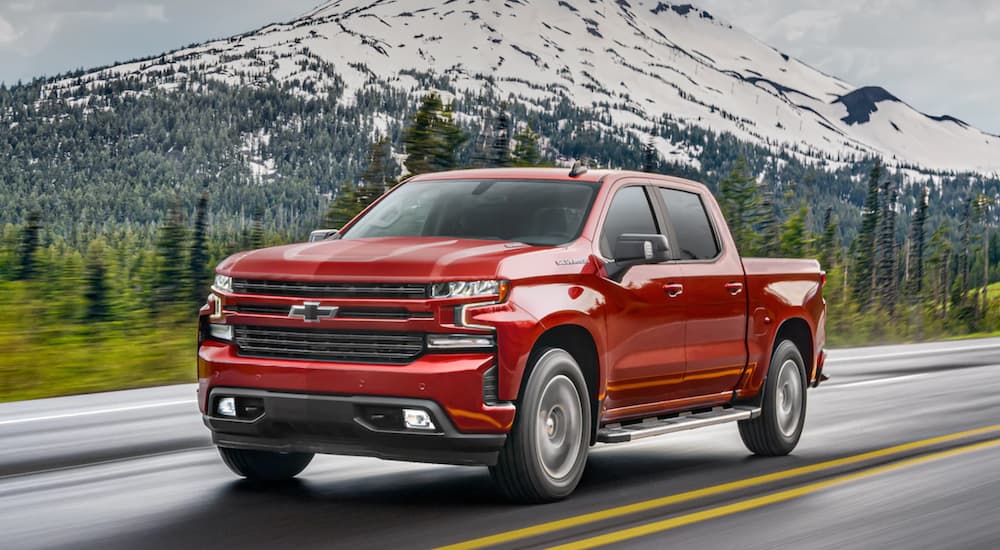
(843, 296)
(906, 264)
(986, 265)
(945, 286)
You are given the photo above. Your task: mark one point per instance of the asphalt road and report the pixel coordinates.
(887, 460)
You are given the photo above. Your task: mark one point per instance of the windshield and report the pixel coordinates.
(535, 212)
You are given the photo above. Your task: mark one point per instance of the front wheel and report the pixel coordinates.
(783, 412)
(265, 465)
(546, 451)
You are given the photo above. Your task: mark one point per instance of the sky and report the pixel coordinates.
(49, 37)
(940, 57)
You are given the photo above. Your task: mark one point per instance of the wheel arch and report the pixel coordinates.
(580, 343)
(798, 331)
(794, 329)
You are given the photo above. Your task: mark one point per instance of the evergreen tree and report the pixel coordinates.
(915, 272)
(375, 175)
(348, 204)
(886, 269)
(433, 139)
(448, 138)
(420, 138)
(960, 296)
(984, 207)
(941, 251)
(28, 246)
(828, 242)
(171, 268)
(500, 148)
(198, 257)
(256, 237)
(768, 228)
(740, 203)
(526, 151)
(794, 237)
(864, 263)
(95, 294)
(650, 156)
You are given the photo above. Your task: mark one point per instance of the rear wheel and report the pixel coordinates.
(783, 412)
(265, 465)
(546, 450)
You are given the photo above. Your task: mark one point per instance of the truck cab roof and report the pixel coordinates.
(592, 176)
(597, 176)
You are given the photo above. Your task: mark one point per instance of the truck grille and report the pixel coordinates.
(328, 345)
(342, 313)
(405, 291)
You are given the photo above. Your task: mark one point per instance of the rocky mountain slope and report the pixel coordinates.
(633, 61)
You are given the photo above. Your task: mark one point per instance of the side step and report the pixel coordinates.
(650, 427)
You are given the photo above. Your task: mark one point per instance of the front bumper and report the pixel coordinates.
(313, 406)
(347, 425)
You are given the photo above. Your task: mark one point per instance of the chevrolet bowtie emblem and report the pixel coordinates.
(312, 312)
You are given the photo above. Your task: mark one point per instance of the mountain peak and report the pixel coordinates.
(631, 61)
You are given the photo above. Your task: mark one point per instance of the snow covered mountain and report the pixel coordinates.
(633, 60)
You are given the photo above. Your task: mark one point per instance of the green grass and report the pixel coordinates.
(974, 335)
(46, 357)
(993, 292)
(45, 352)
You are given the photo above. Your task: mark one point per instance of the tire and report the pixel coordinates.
(546, 450)
(783, 412)
(265, 465)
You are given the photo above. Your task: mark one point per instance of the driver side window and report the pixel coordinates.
(630, 212)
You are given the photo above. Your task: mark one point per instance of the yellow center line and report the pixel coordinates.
(781, 496)
(618, 511)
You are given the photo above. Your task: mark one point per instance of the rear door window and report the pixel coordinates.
(695, 237)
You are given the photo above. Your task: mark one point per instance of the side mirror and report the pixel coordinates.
(323, 234)
(640, 248)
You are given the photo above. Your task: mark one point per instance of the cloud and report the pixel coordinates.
(29, 26)
(941, 57)
(48, 37)
(7, 33)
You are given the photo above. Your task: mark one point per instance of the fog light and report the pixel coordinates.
(221, 332)
(417, 419)
(226, 406)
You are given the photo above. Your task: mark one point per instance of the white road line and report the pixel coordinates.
(916, 353)
(887, 379)
(832, 359)
(876, 381)
(98, 412)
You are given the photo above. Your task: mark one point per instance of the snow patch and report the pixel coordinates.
(635, 61)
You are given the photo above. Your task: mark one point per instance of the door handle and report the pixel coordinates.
(734, 288)
(673, 290)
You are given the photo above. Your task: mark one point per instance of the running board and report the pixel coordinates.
(651, 427)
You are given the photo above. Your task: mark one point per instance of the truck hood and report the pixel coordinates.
(386, 259)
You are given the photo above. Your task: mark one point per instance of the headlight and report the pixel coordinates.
(471, 289)
(223, 283)
(460, 341)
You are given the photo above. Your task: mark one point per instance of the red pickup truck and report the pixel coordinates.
(510, 318)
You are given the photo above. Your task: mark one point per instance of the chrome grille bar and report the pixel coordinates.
(328, 345)
(343, 313)
(405, 291)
